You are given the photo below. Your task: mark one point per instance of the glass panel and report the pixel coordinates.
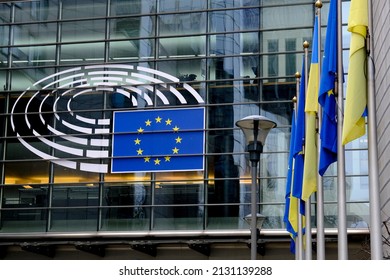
(33, 56)
(131, 7)
(357, 188)
(284, 37)
(233, 3)
(32, 172)
(23, 208)
(178, 218)
(182, 47)
(5, 13)
(189, 71)
(4, 30)
(273, 216)
(178, 5)
(86, 53)
(133, 27)
(358, 215)
(234, 20)
(126, 207)
(29, 11)
(75, 208)
(67, 175)
(233, 68)
(233, 44)
(92, 30)
(84, 9)
(277, 90)
(22, 79)
(132, 50)
(225, 217)
(3, 63)
(27, 34)
(182, 24)
(286, 17)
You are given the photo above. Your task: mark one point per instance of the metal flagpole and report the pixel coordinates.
(308, 249)
(342, 213)
(375, 215)
(299, 238)
(320, 191)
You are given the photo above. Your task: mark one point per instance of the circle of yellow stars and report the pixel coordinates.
(157, 160)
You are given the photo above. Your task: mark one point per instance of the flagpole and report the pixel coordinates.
(342, 213)
(299, 239)
(375, 214)
(320, 191)
(308, 249)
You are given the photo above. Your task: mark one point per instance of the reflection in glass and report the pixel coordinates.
(182, 24)
(33, 56)
(179, 5)
(182, 47)
(75, 208)
(30, 11)
(93, 30)
(86, 53)
(234, 20)
(130, 7)
(40, 33)
(123, 28)
(23, 208)
(126, 207)
(84, 9)
(178, 218)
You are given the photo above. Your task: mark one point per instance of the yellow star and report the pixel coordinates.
(175, 150)
(157, 161)
(137, 141)
(147, 159)
(178, 139)
(139, 152)
(176, 129)
(167, 158)
(148, 123)
(140, 130)
(158, 120)
(168, 122)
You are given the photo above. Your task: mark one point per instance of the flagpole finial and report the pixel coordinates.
(318, 4)
(294, 99)
(306, 45)
(297, 75)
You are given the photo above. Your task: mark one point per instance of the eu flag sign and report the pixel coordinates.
(158, 140)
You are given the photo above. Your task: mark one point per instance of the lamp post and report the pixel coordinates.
(255, 129)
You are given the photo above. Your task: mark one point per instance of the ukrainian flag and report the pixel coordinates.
(311, 109)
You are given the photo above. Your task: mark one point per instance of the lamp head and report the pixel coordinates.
(255, 129)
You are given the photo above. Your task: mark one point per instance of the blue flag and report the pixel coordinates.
(327, 99)
(299, 141)
(290, 172)
(158, 140)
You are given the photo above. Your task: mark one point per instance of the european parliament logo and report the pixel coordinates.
(158, 140)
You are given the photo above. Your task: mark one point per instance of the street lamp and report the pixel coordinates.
(255, 129)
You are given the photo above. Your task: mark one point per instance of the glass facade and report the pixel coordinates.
(67, 66)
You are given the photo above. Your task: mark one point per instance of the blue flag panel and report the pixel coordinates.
(158, 140)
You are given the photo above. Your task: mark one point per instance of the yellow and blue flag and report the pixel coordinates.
(311, 109)
(299, 141)
(356, 95)
(327, 98)
(290, 227)
(294, 204)
(158, 140)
